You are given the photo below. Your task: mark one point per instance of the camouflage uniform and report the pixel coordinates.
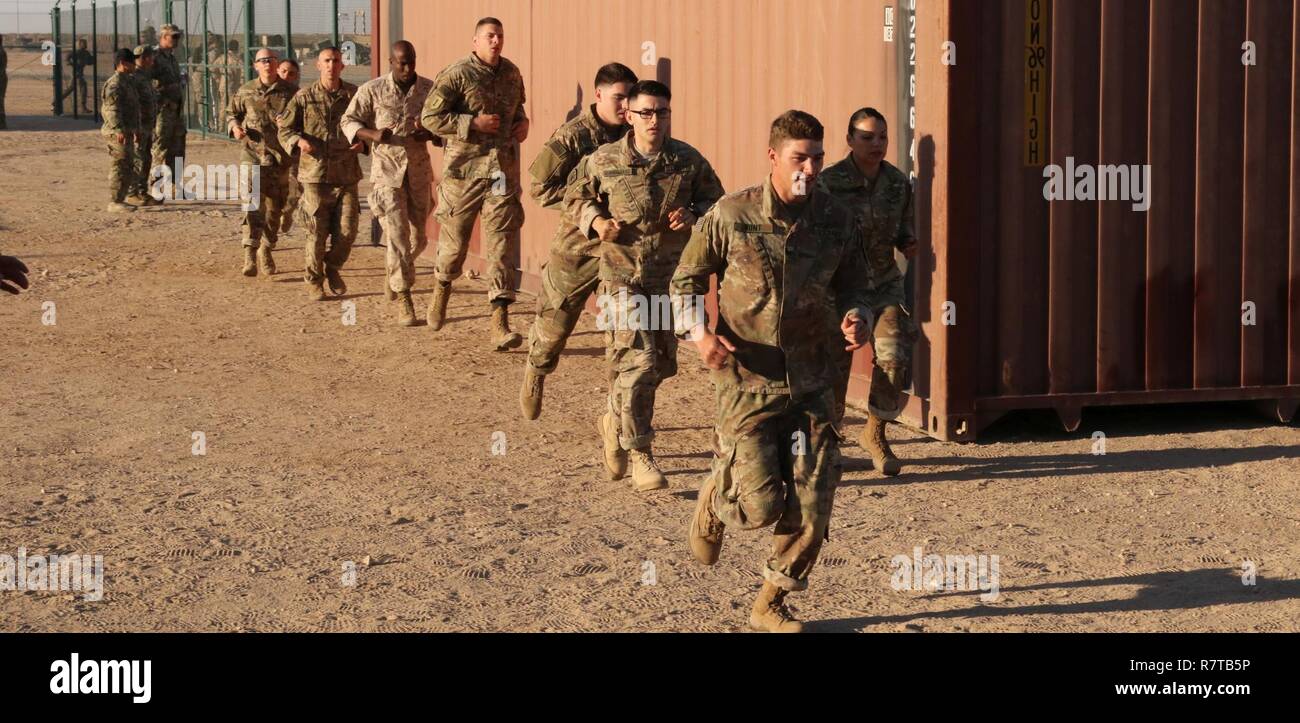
(169, 129)
(329, 175)
(401, 172)
(287, 216)
(480, 172)
(615, 181)
(570, 274)
(142, 158)
(255, 107)
(884, 210)
(120, 106)
(78, 60)
(776, 450)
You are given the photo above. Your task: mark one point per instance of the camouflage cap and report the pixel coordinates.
(169, 29)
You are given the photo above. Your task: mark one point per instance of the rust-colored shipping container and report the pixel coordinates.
(1184, 287)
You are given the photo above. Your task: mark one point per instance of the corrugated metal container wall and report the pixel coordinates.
(1061, 304)
(1090, 302)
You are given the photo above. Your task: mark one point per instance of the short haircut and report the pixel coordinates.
(290, 61)
(330, 49)
(794, 125)
(612, 73)
(123, 55)
(862, 113)
(489, 20)
(649, 87)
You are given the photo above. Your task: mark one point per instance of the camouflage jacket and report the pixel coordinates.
(885, 215)
(616, 182)
(460, 92)
(550, 171)
(166, 75)
(120, 106)
(379, 104)
(316, 113)
(255, 107)
(776, 282)
(148, 100)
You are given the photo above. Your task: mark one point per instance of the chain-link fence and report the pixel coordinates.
(220, 38)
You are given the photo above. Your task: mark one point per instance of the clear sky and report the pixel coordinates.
(25, 16)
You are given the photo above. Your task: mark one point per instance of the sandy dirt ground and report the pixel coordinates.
(333, 448)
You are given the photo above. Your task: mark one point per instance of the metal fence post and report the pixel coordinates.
(115, 45)
(57, 105)
(74, 66)
(248, 40)
(207, 80)
(137, 22)
(335, 22)
(94, 53)
(288, 31)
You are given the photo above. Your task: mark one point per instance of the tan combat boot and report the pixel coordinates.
(437, 312)
(615, 455)
(405, 309)
(119, 207)
(316, 290)
(873, 440)
(389, 294)
(265, 261)
(646, 475)
(250, 261)
(705, 535)
(502, 338)
(770, 615)
(530, 396)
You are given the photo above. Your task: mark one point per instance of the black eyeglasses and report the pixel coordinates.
(648, 113)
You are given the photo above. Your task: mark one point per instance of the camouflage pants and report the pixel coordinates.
(893, 340)
(331, 212)
(777, 461)
(640, 355)
(120, 173)
(403, 213)
(264, 220)
(141, 162)
(291, 201)
(460, 201)
(169, 138)
(77, 89)
(567, 283)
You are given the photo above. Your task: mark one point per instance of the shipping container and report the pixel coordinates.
(1164, 268)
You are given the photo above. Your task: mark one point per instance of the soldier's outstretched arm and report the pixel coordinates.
(290, 123)
(235, 112)
(856, 293)
(708, 189)
(705, 255)
(583, 198)
(440, 116)
(109, 109)
(550, 172)
(359, 118)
